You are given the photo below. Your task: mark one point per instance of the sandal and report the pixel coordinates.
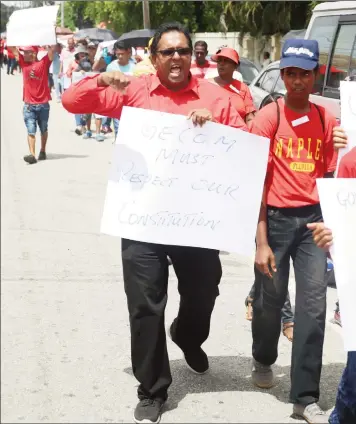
(248, 304)
(288, 330)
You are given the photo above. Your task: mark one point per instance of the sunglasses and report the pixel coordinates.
(182, 51)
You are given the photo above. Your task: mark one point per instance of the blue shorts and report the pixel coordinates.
(36, 114)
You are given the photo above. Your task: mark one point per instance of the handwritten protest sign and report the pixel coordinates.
(348, 116)
(32, 27)
(338, 203)
(173, 183)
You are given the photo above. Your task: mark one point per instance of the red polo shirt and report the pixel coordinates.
(200, 71)
(35, 80)
(242, 99)
(147, 92)
(300, 152)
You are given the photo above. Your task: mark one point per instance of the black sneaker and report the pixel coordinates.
(148, 411)
(42, 156)
(196, 359)
(30, 159)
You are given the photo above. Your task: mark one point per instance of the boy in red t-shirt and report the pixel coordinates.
(301, 151)
(36, 96)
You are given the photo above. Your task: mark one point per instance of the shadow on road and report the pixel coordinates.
(233, 373)
(54, 156)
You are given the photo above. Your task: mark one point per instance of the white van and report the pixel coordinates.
(333, 25)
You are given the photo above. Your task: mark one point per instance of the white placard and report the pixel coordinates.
(32, 27)
(338, 203)
(348, 116)
(173, 183)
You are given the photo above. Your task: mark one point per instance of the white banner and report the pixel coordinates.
(173, 183)
(338, 203)
(348, 116)
(32, 27)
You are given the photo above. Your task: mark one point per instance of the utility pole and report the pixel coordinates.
(146, 14)
(62, 14)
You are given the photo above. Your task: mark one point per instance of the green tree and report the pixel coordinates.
(268, 17)
(75, 15)
(5, 13)
(255, 17)
(123, 16)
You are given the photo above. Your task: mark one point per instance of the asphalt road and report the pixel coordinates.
(65, 334)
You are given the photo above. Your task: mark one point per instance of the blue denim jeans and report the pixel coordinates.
(289, 238)
(36, 115)
(107, 123)
(287, 315)
(79, 122)
(57, 85)
(116, 126)
(345, 406)
(11, 63)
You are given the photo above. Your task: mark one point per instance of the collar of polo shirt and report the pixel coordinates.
(192, 86)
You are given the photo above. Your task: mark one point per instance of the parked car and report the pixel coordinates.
(247, 71)
(267, 85)
(333, 25)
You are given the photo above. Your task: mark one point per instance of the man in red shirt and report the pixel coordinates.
(11, 61)
(201, 66)
(36, 96)
(2, 48)
(145, 265)
(228, 60)
(301, 151)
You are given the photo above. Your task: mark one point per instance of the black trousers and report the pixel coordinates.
(289, 237)
(145, 269)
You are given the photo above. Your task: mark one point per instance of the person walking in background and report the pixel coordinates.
(11, 61)
(200, 66)
(55, 71)
(145, 67)
(122, 64)
(301, 150)
(80, 54)
(36, 96)
(2, 51)
(66, 57)
(266, 60)
(227, 62)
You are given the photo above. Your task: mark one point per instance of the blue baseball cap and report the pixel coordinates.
(300, 53)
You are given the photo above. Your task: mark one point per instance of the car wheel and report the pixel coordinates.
(270, 99)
